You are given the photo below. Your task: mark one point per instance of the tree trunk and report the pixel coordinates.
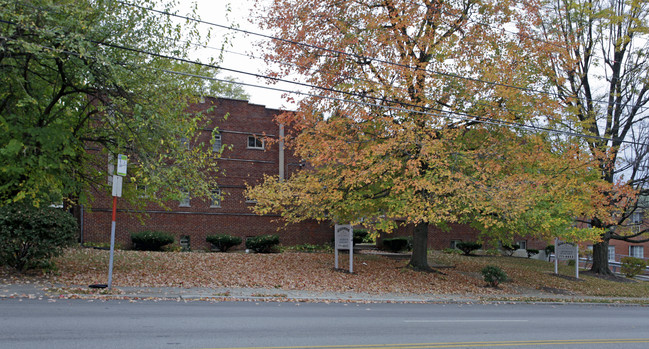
(600, 258)
(419, 259)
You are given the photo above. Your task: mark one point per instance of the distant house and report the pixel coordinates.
(246, 160)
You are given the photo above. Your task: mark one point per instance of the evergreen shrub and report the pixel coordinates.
(262, 243)
(468, 247)
(223, 241)
(151, 240)
(30, 236)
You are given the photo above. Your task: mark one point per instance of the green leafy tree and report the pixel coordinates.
(82, 81)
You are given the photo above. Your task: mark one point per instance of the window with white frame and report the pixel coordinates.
(522, 244)
(454, 243)
(636, 251)
(611, 253)
(185, 199)
(255, 142)
(216, 147)
(636, 217)
(215, 199)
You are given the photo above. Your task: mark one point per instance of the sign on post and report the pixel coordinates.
(122, 161)
(344, 240)
(566, 251)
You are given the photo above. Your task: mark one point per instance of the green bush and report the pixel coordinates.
(31, 236)
(468, 247)
(452, 251)
(549, 249)
(223, 241)
(532, 252)
(493, 275)
(632, 266)
(262, 243)
(510, 248)
(396, 244)
(310, 248)
(360, 236)
(151, 240)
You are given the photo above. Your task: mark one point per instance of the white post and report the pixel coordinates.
(556, 260)
(336, 249)
(351, 254)
(577, 261)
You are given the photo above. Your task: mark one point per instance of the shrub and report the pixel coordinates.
(493, 275)
(510, 248)
(532, 252)
(549, 249)
(310, 248)
(360, 236)
(151, 240)
(262, 243)
(395, 244)
(452, 251)
(223, 241)
(30, 236)
(632, 266)
(468, 247)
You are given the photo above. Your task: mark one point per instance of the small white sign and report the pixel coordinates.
(122, 161)
(344, 236)
(117, 186)
(565, 251)
(344, 240)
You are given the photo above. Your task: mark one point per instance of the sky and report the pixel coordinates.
(242, 46)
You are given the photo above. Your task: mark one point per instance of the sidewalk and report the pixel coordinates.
(47, 291)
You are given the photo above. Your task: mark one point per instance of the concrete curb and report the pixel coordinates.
(42, 291)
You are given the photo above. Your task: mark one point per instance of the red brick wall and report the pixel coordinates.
(238, 165)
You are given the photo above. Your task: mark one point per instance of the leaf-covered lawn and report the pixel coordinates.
(315, 272)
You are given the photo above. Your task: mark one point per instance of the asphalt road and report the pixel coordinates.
(31, 323)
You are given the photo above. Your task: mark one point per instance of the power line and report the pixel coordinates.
(361, 57)
(438, 112)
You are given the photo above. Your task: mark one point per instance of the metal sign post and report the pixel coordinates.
(117, 192)
(344, 240)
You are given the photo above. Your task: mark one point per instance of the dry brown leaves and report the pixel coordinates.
(288, 271)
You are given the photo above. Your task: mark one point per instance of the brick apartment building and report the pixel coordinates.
(248, 159)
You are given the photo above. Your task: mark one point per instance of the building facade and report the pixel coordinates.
(246, 158)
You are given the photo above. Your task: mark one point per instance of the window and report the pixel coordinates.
(611, 253)
(141, 191)
(522, 244)
(636, 251)
(454, 243)
(216, 147)
(255, 142)
(215, 200)
(636, 217)
(184, 201)
(185, 243)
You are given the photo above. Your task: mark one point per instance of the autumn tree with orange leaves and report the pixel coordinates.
(420, 113)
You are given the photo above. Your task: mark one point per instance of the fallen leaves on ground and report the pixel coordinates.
(288, 271)
(373, 274)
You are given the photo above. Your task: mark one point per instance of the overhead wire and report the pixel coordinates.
(457, 115)
(357, 56)
(427, 111)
